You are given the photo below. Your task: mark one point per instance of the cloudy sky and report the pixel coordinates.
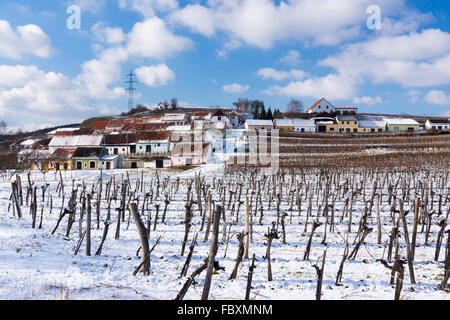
(212, 52)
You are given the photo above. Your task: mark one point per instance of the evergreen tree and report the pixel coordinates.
(262, 114)
(269, 115)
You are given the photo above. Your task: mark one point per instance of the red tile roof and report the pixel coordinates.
(153, 136)
(99, 125)
(315, 104)
(63, 154)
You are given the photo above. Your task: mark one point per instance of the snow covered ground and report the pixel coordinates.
(37, 265)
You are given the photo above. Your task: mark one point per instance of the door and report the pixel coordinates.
(188, 161)
(79, 167)
(134, 165)
(57, 166)
(322, 128)
(133, 149)
(159, 164)
(108, 165)
(148, 148)
(116, 150)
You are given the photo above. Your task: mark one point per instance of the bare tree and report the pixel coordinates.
(295, 106)
(3, 127)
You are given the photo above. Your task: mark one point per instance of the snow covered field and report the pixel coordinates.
(37, 265)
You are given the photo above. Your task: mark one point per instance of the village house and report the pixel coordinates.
(61, 159)
(99, 127)
(304, 125)
(174, 119)
(347, 123)
(371, 126)
(284, 124)
(295, 125)
(205, 116)
(187, 154)
(258, 124)
(87, 158)
(148, 143)
(325, 124)
(321, 106)
(236, 119)
(152, 119)
(401, 125)
(144, 127)
(220, 116)
(207, 125)
(110, 162)
(81, 141)
(439, 125)
(115, 125)
(34, 159)
(121, 144)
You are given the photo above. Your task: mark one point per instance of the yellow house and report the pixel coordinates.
(371, 126)
(61, 159)
(347, 124)
(326, 125)
(284, 124)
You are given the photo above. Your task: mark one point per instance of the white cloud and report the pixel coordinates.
(155, 76)
(262, 23)
(40, 94)
(403, 60)
(148, 8)
(438, 97)
(106, 34)
(197, 18)
(235, 88)
(368, 100)
(148, 39)
(270, 73)
(92, 6)
(152, 39)
(332, 86)
(413, 95)
(292, 58)
(25, 40)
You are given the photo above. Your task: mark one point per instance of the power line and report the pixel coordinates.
(131, 89)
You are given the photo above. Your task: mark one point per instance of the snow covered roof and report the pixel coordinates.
(174, 117)
(179, 128)
(294, 123)
(252, 122)
(76, 141)
(152, 119)
(371, 124)
(62, 129)
(401, 121)
(110, 157)
(28, 142)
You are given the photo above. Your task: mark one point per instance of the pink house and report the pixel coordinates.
(188, 154)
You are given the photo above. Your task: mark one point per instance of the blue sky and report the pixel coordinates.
(213, 52)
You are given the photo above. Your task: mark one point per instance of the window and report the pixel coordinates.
(331, 129)
(85, 165)
(92, 165)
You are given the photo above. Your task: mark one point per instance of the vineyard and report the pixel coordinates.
(345, 226)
